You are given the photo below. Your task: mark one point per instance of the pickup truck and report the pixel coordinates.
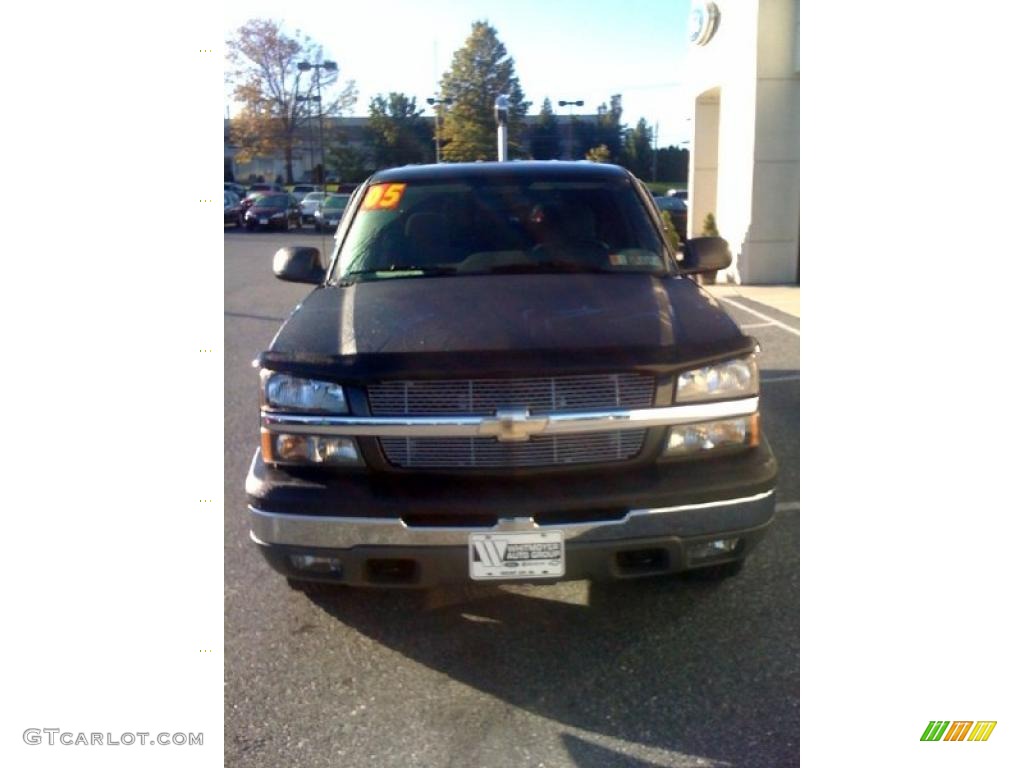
(504, 374)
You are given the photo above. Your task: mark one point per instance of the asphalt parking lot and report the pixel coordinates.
(664, 672)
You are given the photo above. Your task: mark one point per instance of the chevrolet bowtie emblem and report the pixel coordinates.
(513, 425)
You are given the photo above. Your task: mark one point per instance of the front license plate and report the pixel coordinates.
(332, 222)
(263, 221)
(516, 555)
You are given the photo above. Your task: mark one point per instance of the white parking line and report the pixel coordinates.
(755, 325)
(755, 313)
(773, 379)
(788, 506)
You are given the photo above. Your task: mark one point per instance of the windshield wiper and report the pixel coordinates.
(429, 271)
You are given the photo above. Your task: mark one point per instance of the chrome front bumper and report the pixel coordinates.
(269, 528)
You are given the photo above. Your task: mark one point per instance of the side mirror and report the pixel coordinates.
(298, 264)
(705, 254)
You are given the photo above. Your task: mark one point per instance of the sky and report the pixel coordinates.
(563, 49)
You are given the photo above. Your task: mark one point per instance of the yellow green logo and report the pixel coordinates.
(958, 730)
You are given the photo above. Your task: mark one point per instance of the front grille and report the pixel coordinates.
(485, 452)
(482, 397)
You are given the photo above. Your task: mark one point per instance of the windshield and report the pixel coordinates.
(336, 201)
(487, 226)
(313, 197)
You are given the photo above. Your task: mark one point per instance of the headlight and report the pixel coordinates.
(293, 393)
(694, 439)
(733, 378)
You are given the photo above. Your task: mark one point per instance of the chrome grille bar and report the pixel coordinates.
(470, 426)
(482, 397)
(433, 452)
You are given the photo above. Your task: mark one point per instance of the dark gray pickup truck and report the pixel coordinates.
(504, 374)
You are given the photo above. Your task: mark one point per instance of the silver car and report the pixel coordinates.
(309, 205)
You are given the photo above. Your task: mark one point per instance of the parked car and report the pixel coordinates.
(340, 187)
(309, 205)
(329, 212)
(232, 209)
(261, 187)
(301, 190)
(503, 374)
(251, 198)
(238, 189)
(676, 208)
(273, 211)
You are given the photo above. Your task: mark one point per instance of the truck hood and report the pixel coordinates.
(574, 321)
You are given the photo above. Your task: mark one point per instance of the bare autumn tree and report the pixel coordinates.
(276, 97)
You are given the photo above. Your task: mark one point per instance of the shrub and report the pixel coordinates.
(710, 226)
(670, 230)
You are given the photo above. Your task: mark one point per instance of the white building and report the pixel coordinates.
(743, 76)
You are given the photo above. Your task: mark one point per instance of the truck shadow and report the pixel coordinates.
(697, 669)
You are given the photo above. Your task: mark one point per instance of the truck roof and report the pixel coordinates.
(531, 169)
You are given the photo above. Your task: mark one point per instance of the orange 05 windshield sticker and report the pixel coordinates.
(383, 197)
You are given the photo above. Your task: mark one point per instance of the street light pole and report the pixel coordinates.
(309, 134)
(501, 118)
(570, 105)
(435, 101)
(330, 66)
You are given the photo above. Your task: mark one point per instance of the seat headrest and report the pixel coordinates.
(427, 228)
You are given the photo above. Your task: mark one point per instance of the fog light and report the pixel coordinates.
(711, 549)
(336, 450)
(283, 448)
(316, 563)
(687, 439)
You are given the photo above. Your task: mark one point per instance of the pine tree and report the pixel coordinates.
(399, 133)
(637, 151)
(609, 128)
(544, 138)
(481, 71)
